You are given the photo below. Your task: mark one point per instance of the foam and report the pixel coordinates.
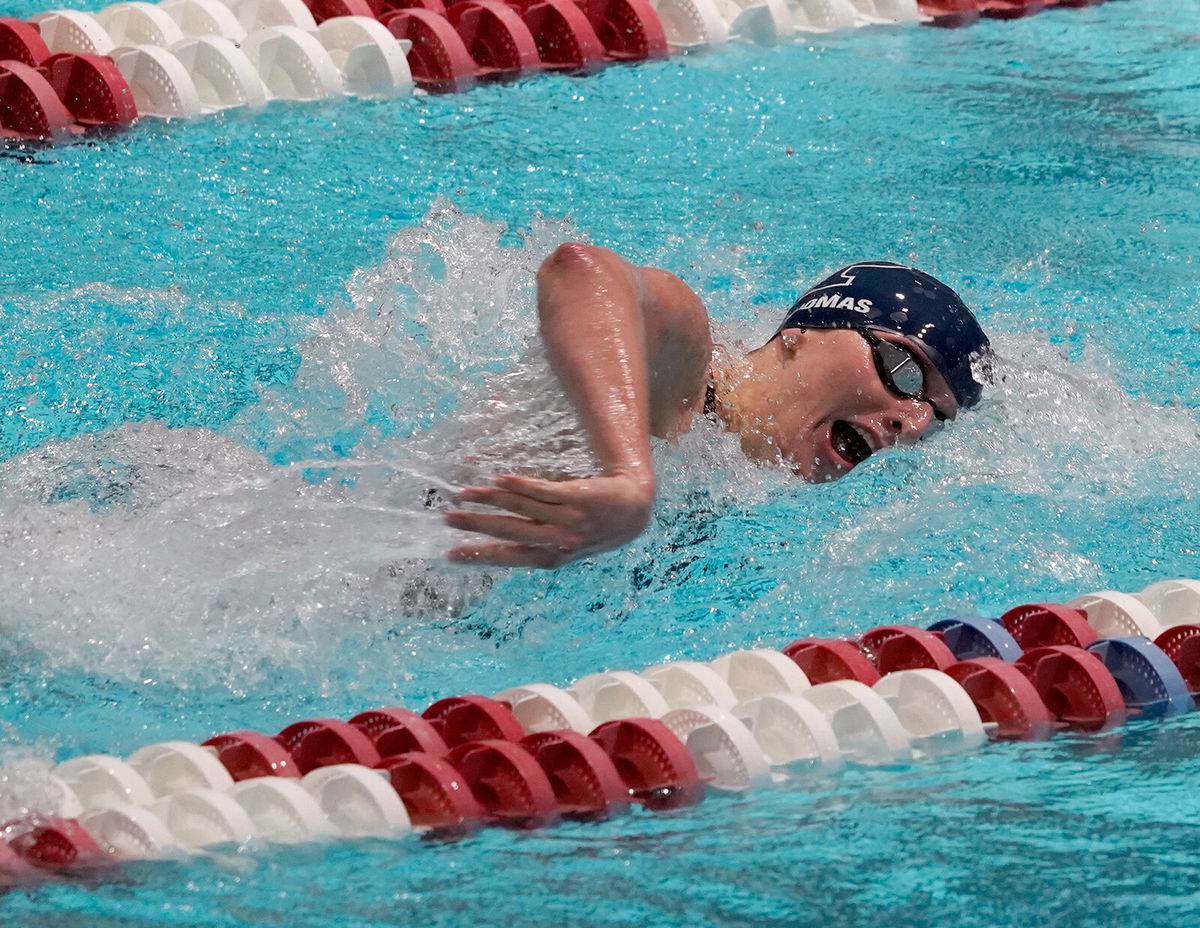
(301, 532)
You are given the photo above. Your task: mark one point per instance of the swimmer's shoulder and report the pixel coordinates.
(677, 309)
(680, 345)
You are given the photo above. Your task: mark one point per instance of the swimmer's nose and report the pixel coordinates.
(908, 421)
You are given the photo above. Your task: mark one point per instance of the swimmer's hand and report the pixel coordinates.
(552, 522)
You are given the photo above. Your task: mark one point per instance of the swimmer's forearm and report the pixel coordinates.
(589, 305)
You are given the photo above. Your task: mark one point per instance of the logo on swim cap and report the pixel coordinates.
(838, 301)
(884, 295)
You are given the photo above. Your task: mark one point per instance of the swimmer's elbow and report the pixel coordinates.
(575, 263)
(568, 255)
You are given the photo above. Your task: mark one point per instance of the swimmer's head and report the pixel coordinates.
(890, 297)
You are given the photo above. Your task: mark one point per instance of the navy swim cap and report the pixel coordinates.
(883, 295)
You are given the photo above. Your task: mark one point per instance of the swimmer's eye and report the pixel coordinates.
(900, 370)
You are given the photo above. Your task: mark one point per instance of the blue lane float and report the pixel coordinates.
(971, 636)
(1149, 682)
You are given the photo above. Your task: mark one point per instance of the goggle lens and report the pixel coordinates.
(899, 370)
(902, 372)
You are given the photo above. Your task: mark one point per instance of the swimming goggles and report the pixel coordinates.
(900, 370)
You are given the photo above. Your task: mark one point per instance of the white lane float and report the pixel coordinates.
(900, 11)
(867, 730)
(64, 801)
(887, 12)
(372, 61)
(176, 766)
(139, 23)
(197, 18)
(792, 732)
(619, 694)
(160, 83)
(200, 818)
(542, 707)
(935, 711)
(823, 15)
(73, 31)
(100, 780)
(358, 801)
(691, 23)
(223, 76)
(760, 672)
(293, 64)
(281, 810)
(129, 832)
(725, 753)
(690, 683)
(1113, 614)
(254, 15)
(762, 21)
(1173, 602)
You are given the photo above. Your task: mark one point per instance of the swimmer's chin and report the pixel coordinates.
(815, 475)
(827, 468)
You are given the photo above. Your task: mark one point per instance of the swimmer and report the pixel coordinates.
(870, 357)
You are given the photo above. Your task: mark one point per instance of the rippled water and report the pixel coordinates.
(237, 352)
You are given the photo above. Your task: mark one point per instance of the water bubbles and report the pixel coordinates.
(149, 552)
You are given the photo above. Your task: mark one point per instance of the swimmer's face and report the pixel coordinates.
(829, 409)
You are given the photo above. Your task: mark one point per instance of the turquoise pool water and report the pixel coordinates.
(188, 309)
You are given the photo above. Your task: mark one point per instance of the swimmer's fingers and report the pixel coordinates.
(547, 491)
(520, 504)
(512, 528)
(501, 554)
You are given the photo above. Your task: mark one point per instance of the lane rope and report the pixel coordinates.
(659, 738)
(64, 73)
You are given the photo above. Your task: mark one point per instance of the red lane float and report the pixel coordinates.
(13, 867)
(1075, 686)
(398, 731)
(29, 107)
(1005, 697)
(584, 778)
(1181, 643)
(496, 38)
(950, 13)
(438, 59)
(328, 9)
(249, 754)
(629, 30)
(459, 719)
(565, 38)
(317, 743)
(382, 7)
(92, 89)
(58, 844)
(1010, 9)
(374, 722)
(652, 762)
(1037, 625)
(507, 782)
(21, 41)
(905, 647)
(824, 660)
(434, 792)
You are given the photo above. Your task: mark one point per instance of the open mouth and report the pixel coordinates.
(850, 444)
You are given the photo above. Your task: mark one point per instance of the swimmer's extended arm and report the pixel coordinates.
(632, 347)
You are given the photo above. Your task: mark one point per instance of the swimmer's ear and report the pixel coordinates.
(791, 340)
